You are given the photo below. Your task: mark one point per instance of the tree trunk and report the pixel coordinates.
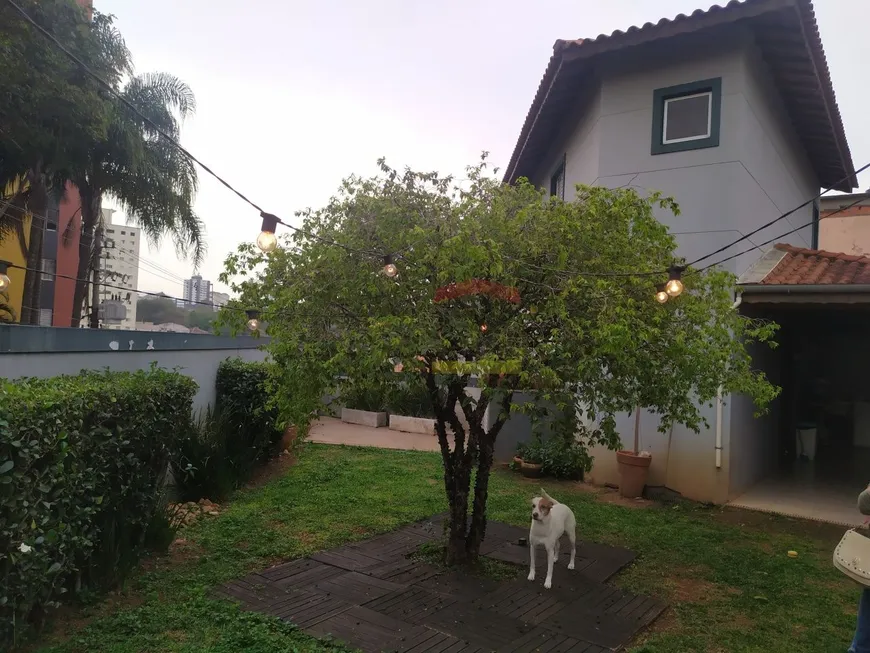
(38, 201)
(463, 543)
(90, 220)
(97, 252)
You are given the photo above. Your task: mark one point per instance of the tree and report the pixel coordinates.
(159, 310)
(152, 180)
(526, 292)
(49, 114)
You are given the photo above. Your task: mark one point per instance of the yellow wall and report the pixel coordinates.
(10, 251)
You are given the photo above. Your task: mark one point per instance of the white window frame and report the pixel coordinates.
(666, 141)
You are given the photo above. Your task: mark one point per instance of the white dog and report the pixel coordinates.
(550, 519)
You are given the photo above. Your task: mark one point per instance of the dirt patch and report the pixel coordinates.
(271, 470)
(613, 497)
(827, 534)
(67, 620)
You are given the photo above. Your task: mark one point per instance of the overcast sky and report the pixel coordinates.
(295, 95)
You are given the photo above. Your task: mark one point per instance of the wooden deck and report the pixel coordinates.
(371, 597)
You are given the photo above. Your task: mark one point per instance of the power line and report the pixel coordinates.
(787, 233)
(111, 89)
(775, 220)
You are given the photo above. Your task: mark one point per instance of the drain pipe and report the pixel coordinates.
(737, 301)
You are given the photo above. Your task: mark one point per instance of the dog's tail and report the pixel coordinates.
(547, 496)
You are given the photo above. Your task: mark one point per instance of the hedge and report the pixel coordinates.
(230, 441)
(82, 464)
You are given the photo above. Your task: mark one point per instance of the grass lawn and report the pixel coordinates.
(726, 573)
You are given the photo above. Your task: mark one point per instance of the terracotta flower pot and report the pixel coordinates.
(518, 462)
(532, 470)
(633, 472)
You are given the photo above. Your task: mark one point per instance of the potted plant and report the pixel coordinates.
(411, 409)
(517, 463)
(532, 465)
(633, 465)
(365, 403)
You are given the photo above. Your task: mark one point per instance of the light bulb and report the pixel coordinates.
(391, 270)
(484, 328)
(253, 323)
(674, 286)
(267, 241)
(661, 294)
(4, 280)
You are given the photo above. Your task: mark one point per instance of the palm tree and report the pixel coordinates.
(151, 179)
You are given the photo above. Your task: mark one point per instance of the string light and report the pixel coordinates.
(484, 328)
(390, 269)
(267, 240)
(661, 294)
(253, 320)
(4, 276)
(674, 286)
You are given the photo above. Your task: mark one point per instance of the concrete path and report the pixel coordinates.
(328, 430)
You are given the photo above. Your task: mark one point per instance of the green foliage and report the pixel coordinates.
(229, 442)
(160, 310)
(82, 462)
(588, 336)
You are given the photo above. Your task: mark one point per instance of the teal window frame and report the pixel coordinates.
(660, 98)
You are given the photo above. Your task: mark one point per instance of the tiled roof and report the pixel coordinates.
(787, 35)
(799, 266)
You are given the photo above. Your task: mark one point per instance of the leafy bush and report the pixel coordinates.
(243, 403)
(410, 398)
(202, 465)
(561, 456)
(82, 463)
(228, 443)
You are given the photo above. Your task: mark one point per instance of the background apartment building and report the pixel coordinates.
(119, 266)
(197, 291)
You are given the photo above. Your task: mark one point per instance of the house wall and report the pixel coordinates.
(754, 442)
(847, 231)
(46, 352)
(757, 172)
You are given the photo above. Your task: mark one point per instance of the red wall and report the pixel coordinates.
(67, 255)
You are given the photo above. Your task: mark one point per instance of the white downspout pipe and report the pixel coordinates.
(734, 306)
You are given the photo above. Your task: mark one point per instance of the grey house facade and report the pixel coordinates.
(731, 111)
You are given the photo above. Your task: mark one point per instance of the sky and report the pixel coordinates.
(294, 96)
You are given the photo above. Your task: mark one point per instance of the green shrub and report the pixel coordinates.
(243, 402)
(229, 442)
(202, 465)
(82, 463)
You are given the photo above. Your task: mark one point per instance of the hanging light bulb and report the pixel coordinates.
(661, 294)
(267, 240)
(390, 268)
(4, 277)
(674, 286)
(253, 320)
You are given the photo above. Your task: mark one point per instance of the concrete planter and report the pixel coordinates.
(420, 425)
(363, 417)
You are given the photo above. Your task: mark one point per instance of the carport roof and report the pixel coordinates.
(787, 265)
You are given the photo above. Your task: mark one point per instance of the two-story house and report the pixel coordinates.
(732, 112)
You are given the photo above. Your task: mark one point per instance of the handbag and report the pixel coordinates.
(852, 557)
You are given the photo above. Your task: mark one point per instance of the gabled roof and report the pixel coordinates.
(787, 265)
(788, 37)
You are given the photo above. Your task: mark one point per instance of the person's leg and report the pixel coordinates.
(861, 641)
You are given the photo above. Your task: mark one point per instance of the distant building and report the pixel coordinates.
(197, 291)
(219, 299)
(844, 226)
(119, 266)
